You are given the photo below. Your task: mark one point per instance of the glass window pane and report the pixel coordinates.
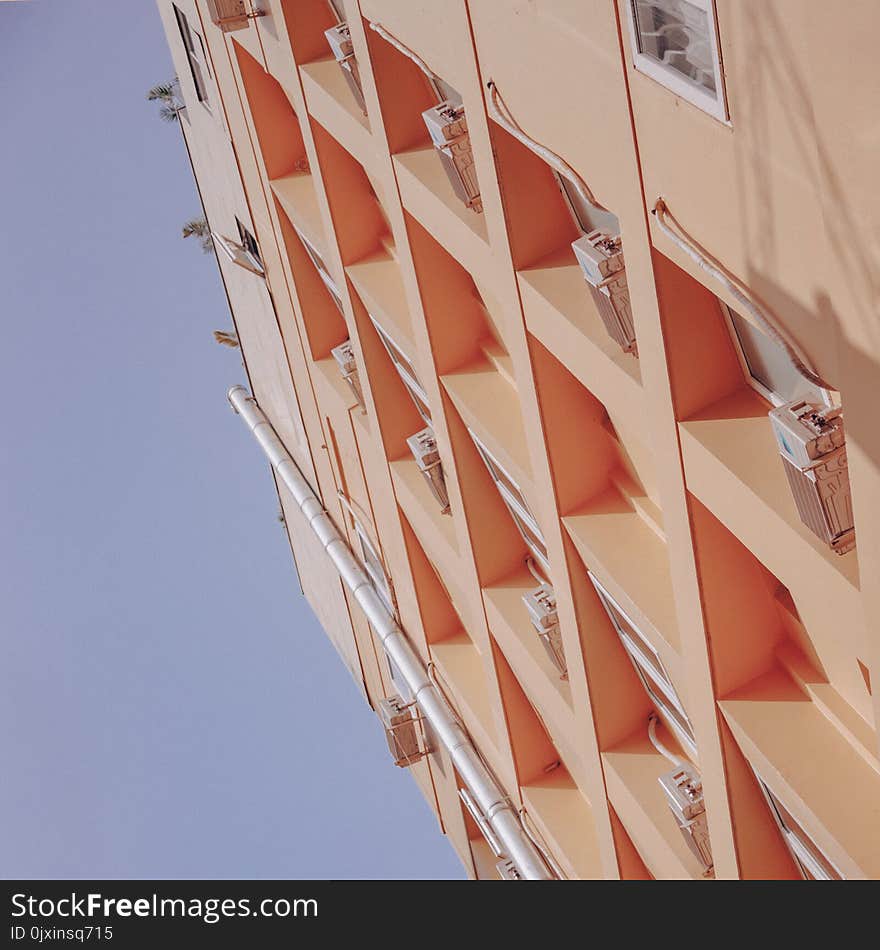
(650, 669)
(338, 8)
(192, 55)
(769, 365)
(629, 631)
(396, 353)
(813, 864)
(418, 397)
(501, 478)
(674, 717)
(531, 537)
(446, 91)
(376, 571)
(587, 217)
(678, 35)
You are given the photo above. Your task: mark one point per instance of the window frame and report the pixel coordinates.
(236, 253)
(375, 568)
(320, 266)
(398, 682)
(650, 670)
(803, 852)
(676, 82)
(196, 62)
(334, 6)
(774, 398)
(514, 499)
(405, 370)
(248, 239)
(611, 226)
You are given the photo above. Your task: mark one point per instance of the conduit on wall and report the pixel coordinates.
(715, 269)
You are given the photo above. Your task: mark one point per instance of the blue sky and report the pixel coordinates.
(161, 674)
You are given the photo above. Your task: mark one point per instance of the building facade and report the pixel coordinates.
(559, 307)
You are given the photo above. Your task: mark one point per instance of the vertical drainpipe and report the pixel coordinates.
(477, 779)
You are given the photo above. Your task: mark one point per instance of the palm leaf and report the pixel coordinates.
(163, 91)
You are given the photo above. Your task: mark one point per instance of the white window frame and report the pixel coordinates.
(196, 56)
(605, 221)
(316, 258)
(673, 80)
(246, 235)
(650, 670)
(335, 6)
(444, 91)
(237, 253)
(405, 370)
(397, 680)
(524, 520)
(774, 398)
(375, 568)
(807, 864)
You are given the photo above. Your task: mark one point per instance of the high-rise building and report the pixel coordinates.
(559, 308)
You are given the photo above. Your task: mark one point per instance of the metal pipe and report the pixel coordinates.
(715, 269)
(479, 782)
(658, 745)
(505, 119)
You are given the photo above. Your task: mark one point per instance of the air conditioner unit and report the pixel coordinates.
(344, 356)
(601, 258)
(541, 605)
(447, 126)
(232, 15)
(423, 446)
(400, 731)
(684, 795)
(339, 38)
(813, 448)
(508, 871)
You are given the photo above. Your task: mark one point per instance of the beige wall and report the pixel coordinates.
(658, 474)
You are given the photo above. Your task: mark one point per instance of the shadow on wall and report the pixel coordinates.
(854, 364)
(775, 77)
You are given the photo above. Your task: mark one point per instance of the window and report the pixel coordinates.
(321, 267)
(586, 217)
(445, 92)
(195, 51)
(676, 43)
(376, 570)
(812, 864)
(650, 669)
(400, 684)
(767, 366)
(237, 253)
(512, 496)
(249, 243)
(338, 9)
(406, 371)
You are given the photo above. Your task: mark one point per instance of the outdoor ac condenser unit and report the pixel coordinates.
(344, 356)
(601, 259)
(423, 446)
(400, 731)
(447, 126)
(684, 795)
(232, 15)
(541, 605)
(339, 38)
(812, 444)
